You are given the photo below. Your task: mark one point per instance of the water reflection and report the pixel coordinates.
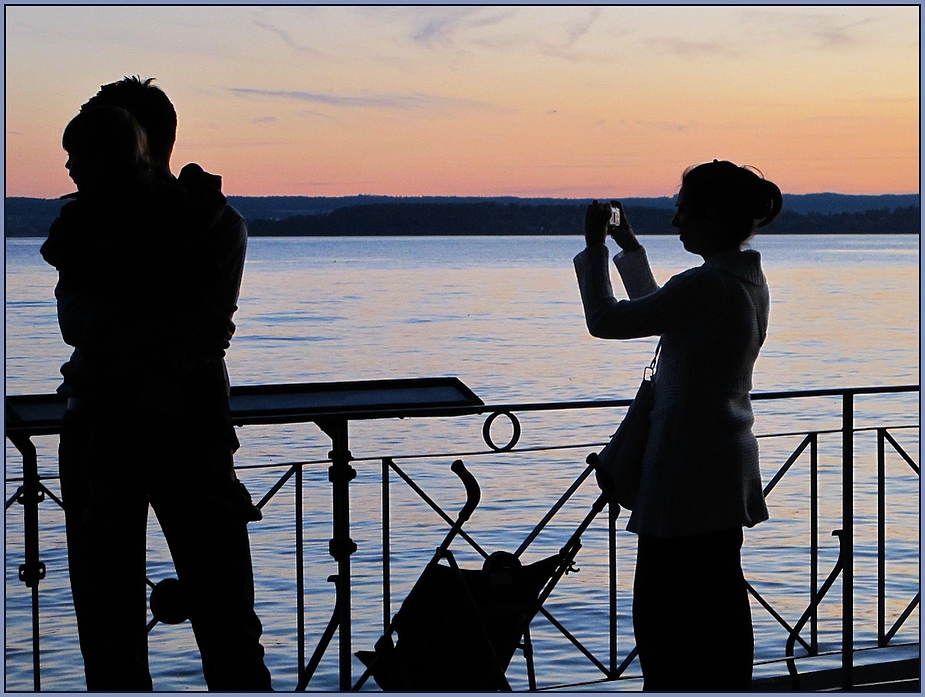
(505, 317)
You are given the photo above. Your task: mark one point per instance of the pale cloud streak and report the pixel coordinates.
(833, 33)
(504, 31)
(312, 114)
(816, 30)
(444, 27)
(658, 125)
(286, 37)
(687, 49)
(575, 30)
(758, 29)
(399, 101)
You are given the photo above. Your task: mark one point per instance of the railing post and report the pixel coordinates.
(814, 541)
(612, 513)
(881, 538)
(300, 572)
(341, 546)
(848, 539)
(32, 570)
(386, 548)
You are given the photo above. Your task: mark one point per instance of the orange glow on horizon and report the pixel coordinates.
(485, 101)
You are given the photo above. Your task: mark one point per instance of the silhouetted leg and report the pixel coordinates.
(202, 515)
(105, 522)
(727, 613)
(655, 608)
(691, 613)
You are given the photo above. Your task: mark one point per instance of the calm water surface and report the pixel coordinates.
(503, 315)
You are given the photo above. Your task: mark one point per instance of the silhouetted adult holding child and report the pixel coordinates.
(700, 481)
(149, 271)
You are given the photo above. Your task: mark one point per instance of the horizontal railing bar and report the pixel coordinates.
(478, 453)
(50, 422)
(276, 465)
(259, 466)
(830, 431)
(756, 397)
(836, 392)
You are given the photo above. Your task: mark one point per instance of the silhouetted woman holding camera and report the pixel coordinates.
(700, 482)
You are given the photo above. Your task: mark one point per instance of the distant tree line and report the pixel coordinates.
(28, 217)
(901, 221)
(416, 219)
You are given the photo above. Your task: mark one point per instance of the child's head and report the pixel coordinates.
(105, 146)
(146, 102)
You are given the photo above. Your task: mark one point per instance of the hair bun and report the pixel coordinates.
(768, 201)
(741, 196)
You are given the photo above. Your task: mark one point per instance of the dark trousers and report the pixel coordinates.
(112, 467)
(691, 614)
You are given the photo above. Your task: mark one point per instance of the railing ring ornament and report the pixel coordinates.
(486, 431)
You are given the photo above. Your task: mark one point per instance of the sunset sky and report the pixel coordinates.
(571, 101)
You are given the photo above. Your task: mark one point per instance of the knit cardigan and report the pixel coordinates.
(700, 470)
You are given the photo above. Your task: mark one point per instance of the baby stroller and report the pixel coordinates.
(459, 628)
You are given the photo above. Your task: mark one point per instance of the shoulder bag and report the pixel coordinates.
(618, 466)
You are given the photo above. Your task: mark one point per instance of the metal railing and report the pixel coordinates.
(32, 491)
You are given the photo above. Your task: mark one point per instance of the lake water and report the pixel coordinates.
(503, 314)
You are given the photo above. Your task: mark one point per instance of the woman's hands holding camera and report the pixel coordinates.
(598, 224)
(597, 220)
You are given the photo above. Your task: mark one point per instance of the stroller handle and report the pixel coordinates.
(473, 492)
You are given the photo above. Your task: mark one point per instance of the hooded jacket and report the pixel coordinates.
(700, 470)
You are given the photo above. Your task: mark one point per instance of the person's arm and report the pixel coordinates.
(232, 233)
(635, 272)
(222, 247)
(591, 265)
(681, 302)
(75, 311)
(66, 250)
(225, 250)
(637, 277)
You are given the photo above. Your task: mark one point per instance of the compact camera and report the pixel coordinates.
(614, 214)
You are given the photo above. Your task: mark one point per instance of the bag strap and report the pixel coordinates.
(651, 366)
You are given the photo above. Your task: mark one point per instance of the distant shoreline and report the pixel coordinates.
(253, 234)
(384, 216)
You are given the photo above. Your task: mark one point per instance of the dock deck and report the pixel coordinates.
(878, 674)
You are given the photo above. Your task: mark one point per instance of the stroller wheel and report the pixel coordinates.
(168, 602)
